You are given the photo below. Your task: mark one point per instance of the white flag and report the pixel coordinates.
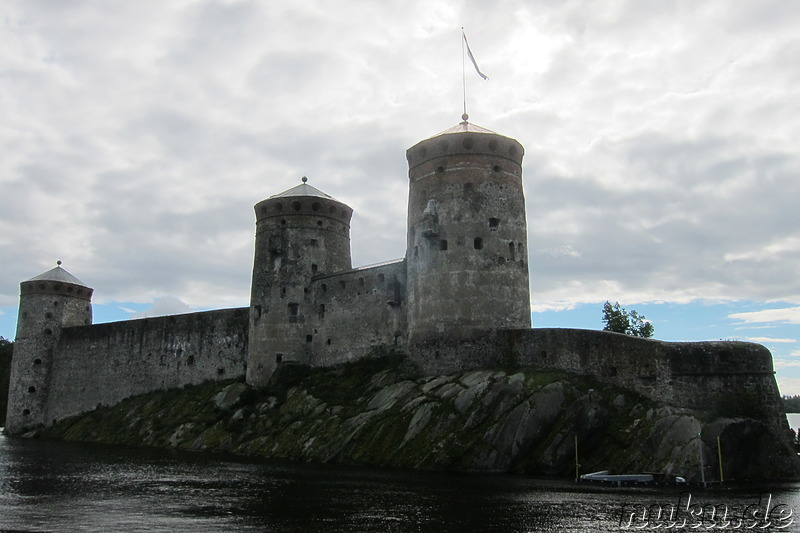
(472, 57)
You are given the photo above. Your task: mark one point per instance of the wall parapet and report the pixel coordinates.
(697, 375)
(106, 363)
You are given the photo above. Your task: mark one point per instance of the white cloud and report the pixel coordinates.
(750, 327)
(788, 386)
(785, 363)
(166, 305)
(552, 306)
(770, 252)
(787, 315)
(765, 340)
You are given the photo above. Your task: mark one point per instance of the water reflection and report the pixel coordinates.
(54, 486)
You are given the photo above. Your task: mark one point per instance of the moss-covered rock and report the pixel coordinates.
(379, 412)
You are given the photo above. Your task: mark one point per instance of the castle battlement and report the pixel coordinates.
(464, 139)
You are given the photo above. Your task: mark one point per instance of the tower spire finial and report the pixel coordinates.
(304, 179)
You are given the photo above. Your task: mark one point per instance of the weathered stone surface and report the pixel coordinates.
(467, 397)
(418, 422)
(435, 382)
(103, 364)
(449, 390)
(228, 396)
(478, 377)
(180, 434)
(389, 395)
(532, 424)
(298, 404)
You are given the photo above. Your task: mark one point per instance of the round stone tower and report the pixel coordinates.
(47, 303)
(300, 233)
(467, 236)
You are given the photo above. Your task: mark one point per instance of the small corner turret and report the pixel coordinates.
(48, 302)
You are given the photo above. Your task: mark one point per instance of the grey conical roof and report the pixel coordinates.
(58, 274)
(304, 189)
(464, 127)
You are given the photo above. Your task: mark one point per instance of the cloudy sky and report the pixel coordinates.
(661, 166)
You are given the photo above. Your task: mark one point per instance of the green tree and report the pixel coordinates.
(618, 320)
(791, 404)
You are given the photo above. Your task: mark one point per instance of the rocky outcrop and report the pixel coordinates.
(380, 412)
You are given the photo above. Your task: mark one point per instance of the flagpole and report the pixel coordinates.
(465, 51)
(464, 73)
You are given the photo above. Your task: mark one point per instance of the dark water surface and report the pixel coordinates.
(57, 486)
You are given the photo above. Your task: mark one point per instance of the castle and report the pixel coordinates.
(459, 299)
(465, 269)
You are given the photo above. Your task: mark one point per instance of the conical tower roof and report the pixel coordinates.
(462, 139)
(466, 127)
(60, 275)
(304, 189)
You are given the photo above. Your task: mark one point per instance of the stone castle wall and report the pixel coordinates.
(730, 378)
(105, 363)
(697, 375)
(356, 311)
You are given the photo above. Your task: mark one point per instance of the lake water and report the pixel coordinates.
(57, 486)
(794, 420)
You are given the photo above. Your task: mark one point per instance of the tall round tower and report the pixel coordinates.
(467, 235)
(300, 233)
(47, 303)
